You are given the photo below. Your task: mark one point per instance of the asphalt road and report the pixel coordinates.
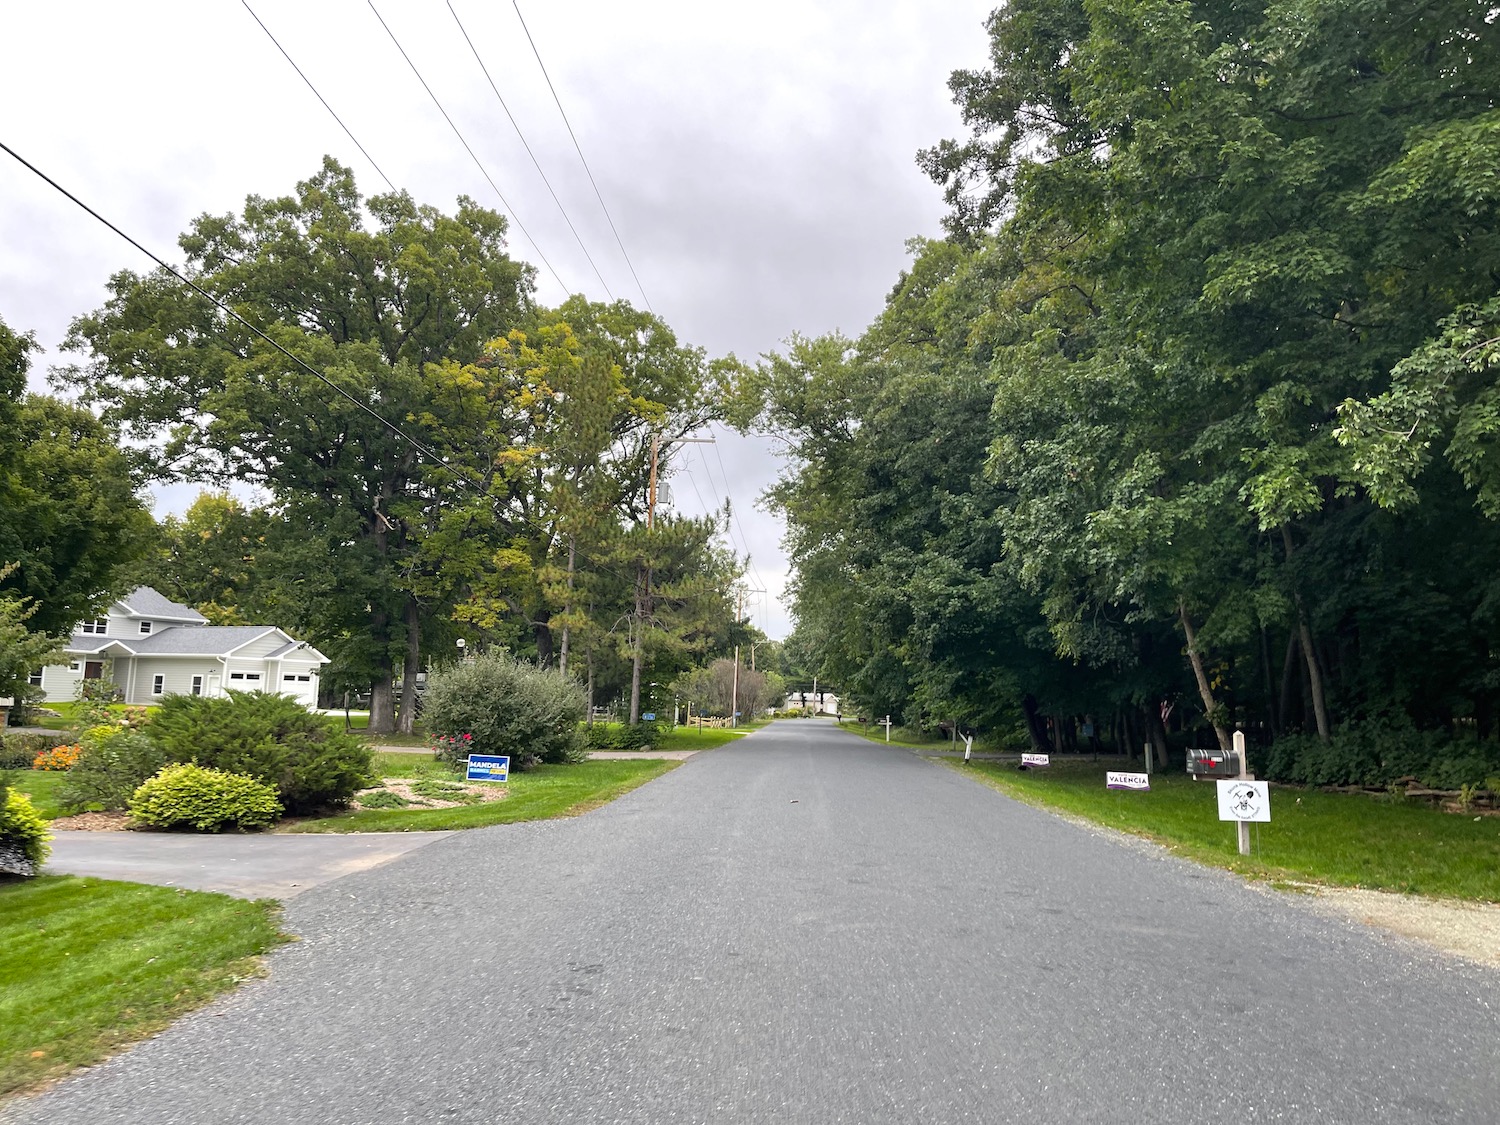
(807, 927)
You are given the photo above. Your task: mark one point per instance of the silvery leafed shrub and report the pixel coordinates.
(509, 707)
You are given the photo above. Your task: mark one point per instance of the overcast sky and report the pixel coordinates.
(758, 160)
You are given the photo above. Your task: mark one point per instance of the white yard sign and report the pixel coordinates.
(1245, 801)
(1113, 780)
(1035, 761)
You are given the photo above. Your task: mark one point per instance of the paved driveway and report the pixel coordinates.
(807, 927)
(257, 866)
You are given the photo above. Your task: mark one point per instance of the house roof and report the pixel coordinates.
(198, 640)
(143, 601)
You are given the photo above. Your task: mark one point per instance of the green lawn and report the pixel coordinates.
(538, 794)
(904, 736)
(691, 738)
(1338, 838)
(41, 786)
(90, 966)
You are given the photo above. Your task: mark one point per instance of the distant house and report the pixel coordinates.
(823, 702)
(154, 647)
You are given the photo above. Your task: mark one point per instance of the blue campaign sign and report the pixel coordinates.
(649, 716)
(488, 767)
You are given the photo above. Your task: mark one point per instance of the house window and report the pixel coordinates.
(197, 688)
(35, 679)
(291, 679)
(145, 627)
(253, 676)
(75, 666)
(98, 625)
(236, 675)
(158, 684)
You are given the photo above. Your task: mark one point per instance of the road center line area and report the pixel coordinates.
(809, 927)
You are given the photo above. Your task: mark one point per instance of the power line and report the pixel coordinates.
(599, 195)
(319, 96)
(529, 153)
(460, 473)
(419, 446)
(477, 163)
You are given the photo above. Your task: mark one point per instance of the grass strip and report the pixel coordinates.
(538, 794)
(1343, 839)
(89, 965)
(41, 786)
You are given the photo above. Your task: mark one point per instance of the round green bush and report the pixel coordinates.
(205, 799)
(23, 834)
(509, 707)
(311, 762)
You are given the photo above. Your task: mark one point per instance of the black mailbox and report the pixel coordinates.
(1213, 763)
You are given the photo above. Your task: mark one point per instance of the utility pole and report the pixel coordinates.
(643, 582)
(734, 698)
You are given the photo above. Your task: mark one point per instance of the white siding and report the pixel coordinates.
(176, 673)
(259, 647)
(60, 685)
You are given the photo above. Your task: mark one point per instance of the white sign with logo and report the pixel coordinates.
(1036, 761)
(1245, 801)
(1114, 780)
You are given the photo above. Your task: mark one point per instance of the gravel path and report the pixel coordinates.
(808, 927)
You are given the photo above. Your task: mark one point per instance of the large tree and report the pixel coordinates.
(367, 292)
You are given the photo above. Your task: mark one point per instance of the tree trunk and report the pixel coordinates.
(1288, 681)
(542, 632)
(589, 692)
(562, 658)
(1273, 704)
(1158, 734)
(1314, 674)
(643, 578)
(412, 667)
(382, 705)
(1205, 692)
(1034, 726)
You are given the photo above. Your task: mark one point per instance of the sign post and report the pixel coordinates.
(1244, 800)
(886, 722)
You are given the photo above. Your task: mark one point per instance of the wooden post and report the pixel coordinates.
(1245, 774)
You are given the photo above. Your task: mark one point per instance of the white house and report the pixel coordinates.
(823, 702)
(153, 647)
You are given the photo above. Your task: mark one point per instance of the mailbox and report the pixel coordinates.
(1213, 763)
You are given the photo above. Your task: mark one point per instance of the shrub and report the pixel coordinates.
(1380, 754)
(623, 736)
(18, 751)
(59, 758)
(310, 762)
(452, 748)
(186, 795)
(23, 834)
(509, 708)
(110, 768)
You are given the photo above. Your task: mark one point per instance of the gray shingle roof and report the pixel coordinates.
(197, 640)
(143, 601)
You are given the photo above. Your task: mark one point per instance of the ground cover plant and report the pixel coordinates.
(1343, 839)
(539, 794)
(92, 965)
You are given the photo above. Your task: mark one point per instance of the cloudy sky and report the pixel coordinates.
(758, 160)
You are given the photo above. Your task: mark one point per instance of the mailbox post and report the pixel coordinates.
(1242, 827)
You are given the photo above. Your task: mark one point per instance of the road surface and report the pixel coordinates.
(808, 927)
